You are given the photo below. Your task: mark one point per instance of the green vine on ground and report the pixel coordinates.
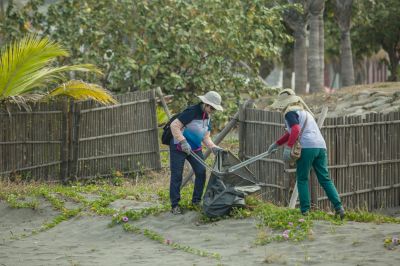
(274, 223)
(165, 241)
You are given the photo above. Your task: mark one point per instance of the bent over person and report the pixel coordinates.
(301, 123)
(190, 129)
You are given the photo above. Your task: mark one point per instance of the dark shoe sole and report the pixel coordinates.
(341, 213)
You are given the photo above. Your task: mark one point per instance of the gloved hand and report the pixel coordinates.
(185, 146)
(286, 154)
(216, 149)
(273, 147)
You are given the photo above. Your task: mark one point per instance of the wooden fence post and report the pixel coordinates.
(70, 124)
(242, 128)
(64, 142)
(74, 152)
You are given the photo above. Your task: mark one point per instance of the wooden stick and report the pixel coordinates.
(292, 170)
(31, 167)
(64, 145)
(114, 106)
(117, 134)
(31, 142)
(164, 104)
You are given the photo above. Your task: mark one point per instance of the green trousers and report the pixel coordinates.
(318, 159)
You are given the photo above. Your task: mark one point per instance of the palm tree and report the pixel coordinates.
(343, 10)
(296, 20)
(26, 74)
(316, 45)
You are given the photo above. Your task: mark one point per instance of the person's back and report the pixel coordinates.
(311, 136)
(300, 124)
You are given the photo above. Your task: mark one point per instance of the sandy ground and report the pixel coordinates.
(87, 240)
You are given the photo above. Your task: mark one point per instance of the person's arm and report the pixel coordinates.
(292, 119)
(177, 125)
(294, 134)
(208, 141)
(282, 140)
(176, 130)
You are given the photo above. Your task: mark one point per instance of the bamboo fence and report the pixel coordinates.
(61, 140)
(363, 151)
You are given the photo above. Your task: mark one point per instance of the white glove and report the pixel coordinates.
(185, 146)
(287, 157)
(273, 148)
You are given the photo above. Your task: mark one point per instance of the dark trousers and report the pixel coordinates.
(177, 161)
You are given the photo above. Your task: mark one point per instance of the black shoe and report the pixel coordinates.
(176, 210)
(340, 212)
(196, 205)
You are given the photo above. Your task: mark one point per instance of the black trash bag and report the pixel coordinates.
(225, 191)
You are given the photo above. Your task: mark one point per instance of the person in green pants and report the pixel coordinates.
(313, 149)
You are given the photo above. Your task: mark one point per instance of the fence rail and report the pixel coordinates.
(61, 139)
(363, 151)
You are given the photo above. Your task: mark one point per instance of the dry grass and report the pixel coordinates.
(316, 100)
(382, 86)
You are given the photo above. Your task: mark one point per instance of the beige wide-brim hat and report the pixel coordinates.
(284, 100)
(212, 98)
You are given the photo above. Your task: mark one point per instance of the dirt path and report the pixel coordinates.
(87, 240)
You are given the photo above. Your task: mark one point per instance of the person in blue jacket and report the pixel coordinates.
(190, 130)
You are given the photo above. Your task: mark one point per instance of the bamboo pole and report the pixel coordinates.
(153, 106)
(164, 104)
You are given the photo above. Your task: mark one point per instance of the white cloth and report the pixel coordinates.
(311, 137)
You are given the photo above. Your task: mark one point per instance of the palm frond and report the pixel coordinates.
(80, 90)
(22, 59)
(24, 66)
(22, 101)
(45, 76)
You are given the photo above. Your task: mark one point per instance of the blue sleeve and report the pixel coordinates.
(187, 116)
(209, 125)
(292, 118)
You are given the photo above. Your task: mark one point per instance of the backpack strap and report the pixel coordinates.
(304, 126)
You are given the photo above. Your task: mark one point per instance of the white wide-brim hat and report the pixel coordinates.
(212, 98)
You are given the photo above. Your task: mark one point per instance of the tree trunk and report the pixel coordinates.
(266, 67)
(321, 40)
(2, 18)
(300, 61)
(346, 60)
(343, 12)
(394, 63)
(298, 22)
(287, 59)
(315, 67)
